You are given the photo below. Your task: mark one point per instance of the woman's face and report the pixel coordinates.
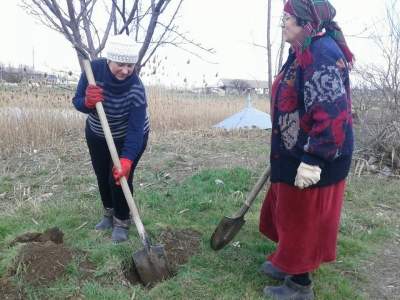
(121, 70)
(290, 28)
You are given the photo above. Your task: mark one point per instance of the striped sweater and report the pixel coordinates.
(125, 106)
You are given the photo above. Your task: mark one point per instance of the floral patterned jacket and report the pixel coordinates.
(311, 113)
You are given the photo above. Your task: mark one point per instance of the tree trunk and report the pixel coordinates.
(269, 49)
(281, 49)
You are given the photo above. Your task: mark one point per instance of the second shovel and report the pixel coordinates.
(228, 227)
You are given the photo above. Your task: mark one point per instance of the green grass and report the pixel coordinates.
(197, 203)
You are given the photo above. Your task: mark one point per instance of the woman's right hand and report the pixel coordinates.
(94, 94)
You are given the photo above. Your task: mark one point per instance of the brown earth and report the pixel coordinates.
(42, 263)
(179, 246)
(52, 234)
(42, 260)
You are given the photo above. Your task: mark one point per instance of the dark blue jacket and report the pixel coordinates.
(311, 112)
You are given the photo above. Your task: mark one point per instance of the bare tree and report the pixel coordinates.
(377, 99)
(150, 22)
(384, 75)
(240, 86)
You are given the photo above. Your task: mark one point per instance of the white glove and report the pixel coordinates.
(307, 175)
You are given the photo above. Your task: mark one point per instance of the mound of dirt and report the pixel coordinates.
(52, 234)
(179, 246)
(43, 258)
(43, 263)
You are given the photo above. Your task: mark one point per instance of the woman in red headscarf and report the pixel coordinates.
(311, 148)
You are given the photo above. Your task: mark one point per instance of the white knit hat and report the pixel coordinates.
(123, 49)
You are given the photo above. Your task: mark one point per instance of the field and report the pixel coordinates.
(189, 177)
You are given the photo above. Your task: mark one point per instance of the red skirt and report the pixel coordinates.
(303, 223)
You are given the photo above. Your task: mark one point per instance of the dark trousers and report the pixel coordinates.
(111, 194)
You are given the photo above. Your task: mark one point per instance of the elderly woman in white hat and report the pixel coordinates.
(122, 93)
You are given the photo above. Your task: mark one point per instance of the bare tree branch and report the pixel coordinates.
(150, 29)
(166, 30)
(74, 19)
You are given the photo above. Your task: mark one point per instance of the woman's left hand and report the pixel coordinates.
(126, 165)
(307, 175)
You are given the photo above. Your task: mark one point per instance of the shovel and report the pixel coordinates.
(228, 227)
(151, 262)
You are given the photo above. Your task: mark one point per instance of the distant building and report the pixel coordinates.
(243, 86)
(24, 74)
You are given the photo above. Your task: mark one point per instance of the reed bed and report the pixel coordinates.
(40, 117)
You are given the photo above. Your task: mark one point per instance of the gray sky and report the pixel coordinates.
(229, 26)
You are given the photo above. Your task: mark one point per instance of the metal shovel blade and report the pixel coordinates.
(226, 231)
(228, 227)
(152, 265)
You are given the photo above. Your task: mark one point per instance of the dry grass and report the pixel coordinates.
(35, 97)
(34, 118)
(172, 111)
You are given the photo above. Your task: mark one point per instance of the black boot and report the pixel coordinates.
(107, 221)
(290, 290)
(120, 230)
(268, 269)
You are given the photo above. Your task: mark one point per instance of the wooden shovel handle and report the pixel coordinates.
(257, 187)
(253, 193)
(115, 158)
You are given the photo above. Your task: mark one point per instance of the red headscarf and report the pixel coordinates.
(318, 15)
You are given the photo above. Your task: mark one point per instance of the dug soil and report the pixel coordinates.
(179, 246)
(41, 260)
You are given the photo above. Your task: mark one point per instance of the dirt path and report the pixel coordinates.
(383, 274)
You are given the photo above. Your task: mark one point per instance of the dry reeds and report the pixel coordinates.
(182, 111)
(32, 118)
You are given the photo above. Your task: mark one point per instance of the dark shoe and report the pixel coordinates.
(107, 221)
(289, 291)
(268, 269)
(120, 230)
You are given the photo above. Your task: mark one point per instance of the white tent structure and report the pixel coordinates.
(248, 118)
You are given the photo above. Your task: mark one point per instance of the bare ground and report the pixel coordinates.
(383, 273)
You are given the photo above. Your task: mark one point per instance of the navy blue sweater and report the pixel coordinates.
(125, 106)
(311, 112)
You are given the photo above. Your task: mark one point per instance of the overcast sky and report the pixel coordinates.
(231, 27)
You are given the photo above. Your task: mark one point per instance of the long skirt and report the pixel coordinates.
(303, 223)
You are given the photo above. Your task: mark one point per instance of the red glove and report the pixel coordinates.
(94, 94)
(126, 165)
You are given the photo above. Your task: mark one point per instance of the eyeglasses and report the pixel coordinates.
(285, 17)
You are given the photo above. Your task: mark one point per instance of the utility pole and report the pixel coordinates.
(33, 58)
(269, 48)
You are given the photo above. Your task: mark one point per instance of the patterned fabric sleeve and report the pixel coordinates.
(326, 104)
